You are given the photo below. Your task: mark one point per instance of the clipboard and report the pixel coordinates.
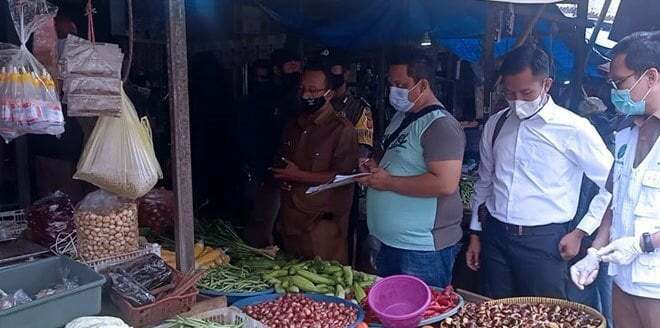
(339, 181)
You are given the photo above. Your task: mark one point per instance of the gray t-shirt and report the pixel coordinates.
(444, 140)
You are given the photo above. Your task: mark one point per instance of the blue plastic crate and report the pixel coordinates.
(55, 310)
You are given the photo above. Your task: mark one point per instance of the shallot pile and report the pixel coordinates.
(299, 311)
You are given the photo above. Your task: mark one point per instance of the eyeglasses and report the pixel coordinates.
(616, 84)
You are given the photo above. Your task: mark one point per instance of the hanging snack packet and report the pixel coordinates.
(28, 100)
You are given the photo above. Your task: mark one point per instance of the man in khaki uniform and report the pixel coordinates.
(316, 147)
(354, 108)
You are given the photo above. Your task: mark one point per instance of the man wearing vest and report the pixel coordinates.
(413, 205)
(533, 157)
(632, 225)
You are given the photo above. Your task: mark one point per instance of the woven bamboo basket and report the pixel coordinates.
(552, 301)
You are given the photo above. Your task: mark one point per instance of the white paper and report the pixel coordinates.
(340, 180)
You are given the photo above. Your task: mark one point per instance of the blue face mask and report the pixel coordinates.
(624, 104)
(399, 98)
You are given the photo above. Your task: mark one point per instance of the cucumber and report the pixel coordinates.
(315, 278)
(304, 284)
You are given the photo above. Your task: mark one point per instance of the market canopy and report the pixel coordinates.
(456, 25)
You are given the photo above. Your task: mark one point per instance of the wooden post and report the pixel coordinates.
(487, 62)
(180, 133)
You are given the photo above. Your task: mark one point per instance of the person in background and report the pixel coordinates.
(599, 294)
(316, 147)
(413, 205)
(255, 120)
(358, 112)
(533, 157)
(629, 236)
(354, 108)
(284, 107)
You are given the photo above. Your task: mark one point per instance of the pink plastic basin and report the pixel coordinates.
(400, 301)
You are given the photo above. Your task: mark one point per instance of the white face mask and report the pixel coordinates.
(399, 99)
(526, 109)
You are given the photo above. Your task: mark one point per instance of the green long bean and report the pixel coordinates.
(181, 322)
(231, 279)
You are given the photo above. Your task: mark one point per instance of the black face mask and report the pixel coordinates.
(291, 79)
(337, 80)
(312, 105)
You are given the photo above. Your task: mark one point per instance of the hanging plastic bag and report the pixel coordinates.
(28, 100)
(156, 210)
(49, 217)
(119, 156)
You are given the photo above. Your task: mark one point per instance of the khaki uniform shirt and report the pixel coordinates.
(325, 144)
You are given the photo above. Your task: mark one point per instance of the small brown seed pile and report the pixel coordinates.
(110, 233)
(520, 316)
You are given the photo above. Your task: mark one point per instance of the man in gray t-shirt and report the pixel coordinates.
(413, 204)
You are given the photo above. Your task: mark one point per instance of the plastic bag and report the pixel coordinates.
(106, 226)
(156, 210)
(128, 288)
(134, 280)
(91, 72)
(119, 156)
(28, 100)
(50, 216)
(150, 271)
(17, 298)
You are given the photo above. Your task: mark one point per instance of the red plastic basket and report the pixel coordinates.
(156, 312)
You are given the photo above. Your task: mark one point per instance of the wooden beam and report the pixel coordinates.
(180, 133)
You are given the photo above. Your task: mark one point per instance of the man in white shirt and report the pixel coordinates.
(529, 181)
(632, 225)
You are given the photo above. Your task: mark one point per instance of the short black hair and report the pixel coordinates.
(642, 50)
(524, 57)
(418, 65)
(336, 57)
(317, 65)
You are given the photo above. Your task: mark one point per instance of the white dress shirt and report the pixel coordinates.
(532, 175)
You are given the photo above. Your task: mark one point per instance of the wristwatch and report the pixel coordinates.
(647, 243)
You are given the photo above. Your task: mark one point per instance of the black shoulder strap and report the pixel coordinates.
(409, 119)
(498, 128)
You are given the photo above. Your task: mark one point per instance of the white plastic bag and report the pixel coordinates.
(119, 156)
(28, 100)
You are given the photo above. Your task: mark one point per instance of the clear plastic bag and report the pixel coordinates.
(137, 279)
(119, 156)
(28, 100)
(91, 72)
(50, 216)
(106, 226)
(17, 298)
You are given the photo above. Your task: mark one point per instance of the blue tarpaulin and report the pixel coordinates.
(456, 25)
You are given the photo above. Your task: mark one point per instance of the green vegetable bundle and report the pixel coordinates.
(231, 279)
(315, 276)
(181, 322)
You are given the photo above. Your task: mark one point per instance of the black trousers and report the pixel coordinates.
(522, 261)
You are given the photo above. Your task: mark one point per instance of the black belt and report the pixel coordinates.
(519, 230)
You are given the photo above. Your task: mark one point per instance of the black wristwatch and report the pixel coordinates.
(647, 243)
